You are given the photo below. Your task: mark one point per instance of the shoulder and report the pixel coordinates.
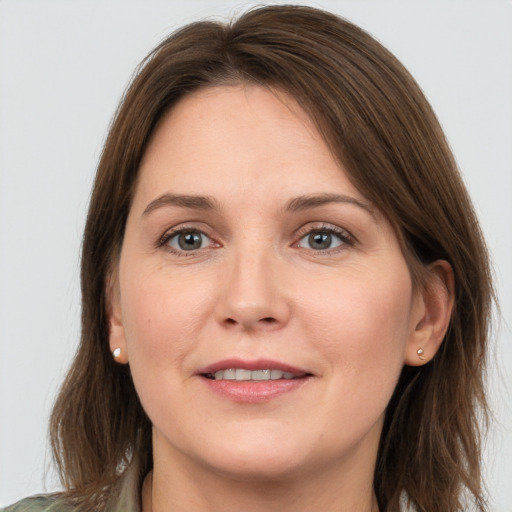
(125, 497)
(41, 503)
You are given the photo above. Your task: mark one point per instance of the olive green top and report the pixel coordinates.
(39, 504)
(127, 499)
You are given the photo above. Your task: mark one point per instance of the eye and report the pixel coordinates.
(188, 240)
(323, 240)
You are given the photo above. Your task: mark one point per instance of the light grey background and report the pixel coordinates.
(63, 67)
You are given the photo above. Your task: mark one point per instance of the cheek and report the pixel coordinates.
(161, 316)
(363, 326)
(366, 308)
(161, 325)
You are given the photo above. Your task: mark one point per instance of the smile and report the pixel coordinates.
(253, 381)
(241, 374)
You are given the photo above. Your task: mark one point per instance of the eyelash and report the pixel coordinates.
(169, 235)
(346, 239)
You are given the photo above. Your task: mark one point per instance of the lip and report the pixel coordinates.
(251, 391)
(258, 364)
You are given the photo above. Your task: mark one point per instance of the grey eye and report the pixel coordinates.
(188, 241)
(320, 240)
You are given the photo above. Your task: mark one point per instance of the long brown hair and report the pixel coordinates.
(379, 125)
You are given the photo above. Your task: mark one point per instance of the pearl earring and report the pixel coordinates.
(420, 354)
(116, 352)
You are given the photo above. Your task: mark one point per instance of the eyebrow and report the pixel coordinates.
(302, 203)
(297, 204)
(183, 201)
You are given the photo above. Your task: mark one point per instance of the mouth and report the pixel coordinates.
(243, 374)
(253, 381)
(258, 370)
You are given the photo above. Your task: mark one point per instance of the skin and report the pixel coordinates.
(257, 288)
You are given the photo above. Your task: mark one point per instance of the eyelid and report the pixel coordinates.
(170, 233)
(347, 238)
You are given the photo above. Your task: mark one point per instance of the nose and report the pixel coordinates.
(253, 294)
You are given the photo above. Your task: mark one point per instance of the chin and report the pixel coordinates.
(260, 468)
(259, 461)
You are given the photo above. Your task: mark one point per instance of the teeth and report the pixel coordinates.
(261, 375)
(241, 374)
(276, 374)
(228, 374)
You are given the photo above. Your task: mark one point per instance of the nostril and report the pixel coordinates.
(251, 323)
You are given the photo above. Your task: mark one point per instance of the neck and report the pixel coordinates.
(202, 490)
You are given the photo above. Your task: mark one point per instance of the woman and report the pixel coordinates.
(285, 290)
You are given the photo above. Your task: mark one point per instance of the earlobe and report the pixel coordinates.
(433, 312)
(117, 340)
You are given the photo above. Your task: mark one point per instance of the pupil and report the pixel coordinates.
(320, 240)
(189, 241)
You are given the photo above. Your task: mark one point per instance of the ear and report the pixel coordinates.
(117, 341)
(431, 314)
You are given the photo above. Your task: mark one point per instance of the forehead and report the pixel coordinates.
(239, 140)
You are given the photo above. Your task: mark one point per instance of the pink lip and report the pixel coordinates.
(259, 364)
(253, 391)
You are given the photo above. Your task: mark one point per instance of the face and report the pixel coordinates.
(263, 304)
